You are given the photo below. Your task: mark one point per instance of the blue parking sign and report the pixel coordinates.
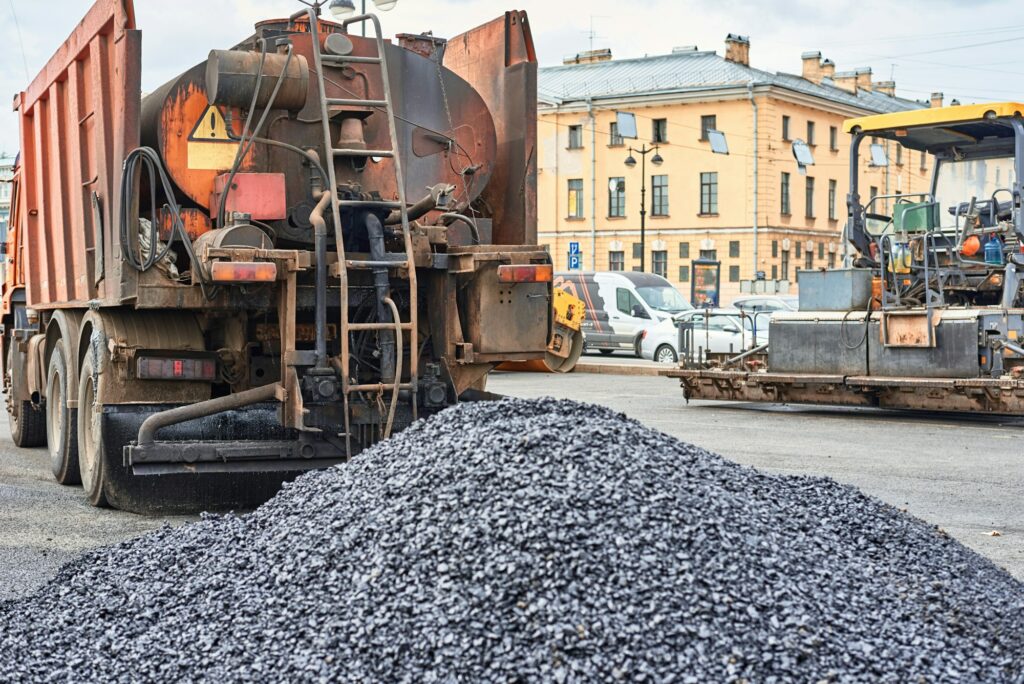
(574, 249)
(575, 262)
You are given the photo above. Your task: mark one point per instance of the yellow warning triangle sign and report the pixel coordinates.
(211, 127)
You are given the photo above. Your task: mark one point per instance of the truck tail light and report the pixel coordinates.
(534, 273)
(243, 272)
(175, 368)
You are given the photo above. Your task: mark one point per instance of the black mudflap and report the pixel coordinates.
(190, 492)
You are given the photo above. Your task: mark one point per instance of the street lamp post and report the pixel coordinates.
(631, 162)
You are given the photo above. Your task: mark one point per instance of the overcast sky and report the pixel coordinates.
(968, 49)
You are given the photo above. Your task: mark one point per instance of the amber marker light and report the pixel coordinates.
(534, 273)
(243, 272)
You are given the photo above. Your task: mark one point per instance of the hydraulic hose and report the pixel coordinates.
(382, 286)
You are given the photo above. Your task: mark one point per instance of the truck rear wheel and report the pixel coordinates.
(28, 423)
(91, 451)
(61, 423)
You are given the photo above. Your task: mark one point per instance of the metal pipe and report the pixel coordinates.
(149, 427)
(593, 185)
(750, 352)
(421, 207)
(468, 221)
(753, 103)
(382, 285)
(399, 352)
(316, 217)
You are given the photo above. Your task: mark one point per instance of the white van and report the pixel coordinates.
(620, 304)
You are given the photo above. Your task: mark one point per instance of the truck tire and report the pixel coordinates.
(28, 423)
(91, 451)
(61, 421)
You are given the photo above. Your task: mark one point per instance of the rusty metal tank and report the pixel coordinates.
(446, 133)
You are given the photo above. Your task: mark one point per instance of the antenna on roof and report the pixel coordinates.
(592, 34)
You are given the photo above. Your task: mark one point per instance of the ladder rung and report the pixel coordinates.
(349, 59)
(363, 153)
(379, 387)
(356, 327)
(370, 203)
(358, 263)
(345, 102)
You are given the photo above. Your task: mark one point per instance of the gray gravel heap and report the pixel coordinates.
(531, 541)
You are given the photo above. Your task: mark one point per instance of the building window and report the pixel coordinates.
(924, 162)
(638, 250)
(899, 155)
(659, 130)
(833, 138)
(659, 262)
(809, 259)
(775, 249)
(708, 123)
(785, 127)
(575, 137)
(659, 195)
(799, 248)
(872, 193)
(810, 133)
(613, 134)
(617, 196)
(775, 272)
(809, 209)
(684, 250)
(734, 274)
(709, 193)
(710, 254)
(575, 198)
(684, 274)
(785, 264)
(831, 259)
(785, 193)
(821, 250)
(734, 248)
(617, 261)
(831, 200)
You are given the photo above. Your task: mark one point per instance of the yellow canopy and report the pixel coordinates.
(932, 117)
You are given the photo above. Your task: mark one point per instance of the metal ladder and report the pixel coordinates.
(407, 263)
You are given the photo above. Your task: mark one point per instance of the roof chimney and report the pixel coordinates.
(846, 80)
(886, 87)
(936, 100)
(828, 69)
(863, 79)
(812, 66)
(737, 49)
(589, 57)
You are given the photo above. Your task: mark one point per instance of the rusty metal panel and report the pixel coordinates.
(79, 118)
(499, 61)
(261, 195)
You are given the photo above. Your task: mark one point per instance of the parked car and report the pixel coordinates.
(761, 308)
(620, 305)
(714, 330)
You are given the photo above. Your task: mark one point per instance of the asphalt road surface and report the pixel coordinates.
(964, 475)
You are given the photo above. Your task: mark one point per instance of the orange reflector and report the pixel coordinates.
(534, 273)
(243, 272)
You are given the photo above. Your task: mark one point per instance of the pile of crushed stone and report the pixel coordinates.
(523, 541)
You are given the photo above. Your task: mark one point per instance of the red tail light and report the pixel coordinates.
(243, 272)
(533, 273)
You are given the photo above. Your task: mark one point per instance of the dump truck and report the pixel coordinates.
(274, 260)
(927, 312)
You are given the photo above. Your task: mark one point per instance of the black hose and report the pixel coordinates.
(382, 285)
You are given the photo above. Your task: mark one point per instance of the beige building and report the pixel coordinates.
(755, 209)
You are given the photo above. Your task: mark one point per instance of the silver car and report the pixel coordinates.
(714, 331)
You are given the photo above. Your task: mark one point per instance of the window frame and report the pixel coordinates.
(810, 134)
(833, 138)
(659, 195)
(616, 198)
(709, 185)
(662, 135)
(614, 139)
(659, 262)
(575, 137)
(785, 206)
(616, 257)
(833, 190)
(785, 128)
(809, 197)
(579, 198)
(704, 128)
